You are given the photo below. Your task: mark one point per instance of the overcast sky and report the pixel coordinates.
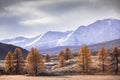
(33, 17)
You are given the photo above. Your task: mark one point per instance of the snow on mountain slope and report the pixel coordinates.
(48, 40)
(34, 41)
(14, 40)
(97, 32)
(45, 40)
(19, 41)
(60, 41)
(100, 31)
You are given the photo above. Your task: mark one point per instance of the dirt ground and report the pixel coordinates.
(77, 77)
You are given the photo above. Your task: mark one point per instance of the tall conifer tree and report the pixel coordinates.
(9, 63)
(34, 62)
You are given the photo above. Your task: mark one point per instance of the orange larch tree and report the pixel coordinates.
(34, 62)
(18, 61)
(103, 59)
(60, 54)
(61, 61)
(84, 59)
(9, 63)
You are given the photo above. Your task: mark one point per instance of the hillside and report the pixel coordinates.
(4, 48)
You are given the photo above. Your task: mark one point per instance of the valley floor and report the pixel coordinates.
(77, 77)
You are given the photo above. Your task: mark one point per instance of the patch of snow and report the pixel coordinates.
(14, 42)
(60, 41)
(34, 41)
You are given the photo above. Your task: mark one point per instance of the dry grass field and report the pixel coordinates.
(77, 77)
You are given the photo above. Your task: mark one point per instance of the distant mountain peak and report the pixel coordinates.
(21, 37)
(97, 32)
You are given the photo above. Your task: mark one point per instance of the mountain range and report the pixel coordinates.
(98, 32)
(109, 45)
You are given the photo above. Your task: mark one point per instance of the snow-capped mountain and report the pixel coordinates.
(100, 31)
(14, 40)
(45, 40)
(97, 32)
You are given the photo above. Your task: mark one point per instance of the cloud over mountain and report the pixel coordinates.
(30, 17)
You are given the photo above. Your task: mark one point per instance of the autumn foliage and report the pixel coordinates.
(84, 59)
(9, 63)
(67, 54)
(60, 54)
(18, 61)
(103, 59)
(34, 62)
(61, 59)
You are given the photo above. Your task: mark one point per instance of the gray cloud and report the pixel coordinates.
(36, 16)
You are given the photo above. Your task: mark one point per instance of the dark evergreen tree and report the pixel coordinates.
(68, 54)
(114, 59)
(47, 58)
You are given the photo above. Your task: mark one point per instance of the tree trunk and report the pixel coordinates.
(83, 65)
(102, 63)
(103, 66)
(86, 66)
(116, 71)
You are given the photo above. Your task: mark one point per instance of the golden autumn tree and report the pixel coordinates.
(60, 54)
(18, 61)
(47, 58)
(9, 63)
(115, 59)
(84, 59)
(103, 59)
(68, 54)
(61, 61)
(34, 62)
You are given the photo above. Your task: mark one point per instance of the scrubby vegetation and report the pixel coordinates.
(104, 62)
